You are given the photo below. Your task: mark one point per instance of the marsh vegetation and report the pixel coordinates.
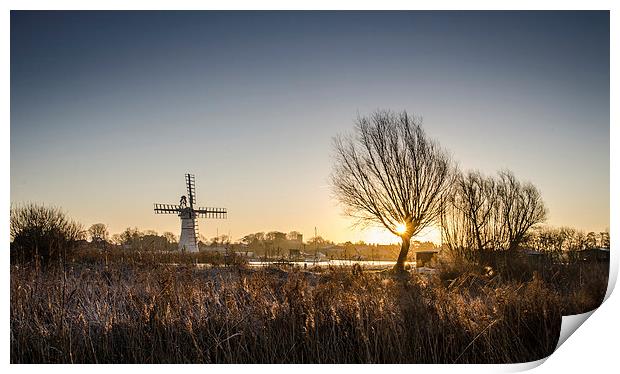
(131, 309)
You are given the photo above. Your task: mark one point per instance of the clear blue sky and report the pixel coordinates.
(110, 109)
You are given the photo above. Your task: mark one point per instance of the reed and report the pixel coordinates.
(120, 311)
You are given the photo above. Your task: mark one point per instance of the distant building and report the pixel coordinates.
(594, 254)
(295, 240)
(296, 237)
(246, 254)
(214, 248)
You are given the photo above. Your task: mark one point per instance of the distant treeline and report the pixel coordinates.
(47, 232)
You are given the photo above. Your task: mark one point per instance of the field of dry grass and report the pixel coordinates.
(128, 310)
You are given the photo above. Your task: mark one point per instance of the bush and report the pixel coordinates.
(42, 233)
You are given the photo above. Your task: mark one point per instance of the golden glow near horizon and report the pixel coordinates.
(401, 228)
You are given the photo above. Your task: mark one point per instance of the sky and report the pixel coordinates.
(109, 110)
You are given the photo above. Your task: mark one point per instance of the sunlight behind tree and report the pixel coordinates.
(390, 173)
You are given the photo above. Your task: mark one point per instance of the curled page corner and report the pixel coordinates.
(523, 366)
(570, 324)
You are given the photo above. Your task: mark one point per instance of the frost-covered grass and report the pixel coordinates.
(139, 311)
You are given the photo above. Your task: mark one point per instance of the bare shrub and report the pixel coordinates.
(40, 232)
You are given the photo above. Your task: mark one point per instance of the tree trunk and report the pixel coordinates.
(402, 256)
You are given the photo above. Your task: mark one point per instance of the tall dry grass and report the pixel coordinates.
(145, 312)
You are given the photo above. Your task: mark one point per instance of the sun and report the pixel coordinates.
(401, 228)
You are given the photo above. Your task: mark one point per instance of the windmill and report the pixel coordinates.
(189, 229)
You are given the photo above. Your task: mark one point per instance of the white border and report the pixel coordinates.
(591, 349)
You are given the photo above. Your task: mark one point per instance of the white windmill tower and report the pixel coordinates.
(189, 229)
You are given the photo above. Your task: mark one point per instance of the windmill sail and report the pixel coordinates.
(190, 181)
(166, 209)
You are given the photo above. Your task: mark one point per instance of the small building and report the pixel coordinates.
(215, 248)
(245, 254)
(594, 255)
(423, 258)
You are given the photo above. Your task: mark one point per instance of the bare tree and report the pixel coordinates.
(605, 239)
(294, 235)
(552, 239)
(132, 238)
(579, 240)
(220, 240)
(486, 213)
(521, 207)
(170, 237)
(318, 241)
(391, 174)
(98, 233)
(116, 239)
(591, 241)
(469, 219)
